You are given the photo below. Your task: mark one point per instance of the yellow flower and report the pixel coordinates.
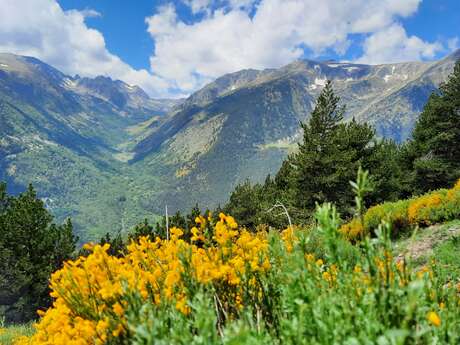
(442, 305)
(176, 232)
(434, 319)
(181, 305)
(118, 309)
(197, 236)
(457, 184)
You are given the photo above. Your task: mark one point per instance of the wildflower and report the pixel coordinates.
(181, 305)
(196, 235)
(434, 319)
(442, 305)
(118, 309)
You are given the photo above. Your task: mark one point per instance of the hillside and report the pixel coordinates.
(62, 133)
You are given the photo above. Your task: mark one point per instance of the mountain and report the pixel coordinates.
(65, 135)
(106, 154)
(243, 125)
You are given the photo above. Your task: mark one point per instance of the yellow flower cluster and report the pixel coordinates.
(423, 203)
(90, 292)
(289, 238)
(353, 229)
(437, 206)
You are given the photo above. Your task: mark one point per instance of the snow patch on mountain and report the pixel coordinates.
(69, 83)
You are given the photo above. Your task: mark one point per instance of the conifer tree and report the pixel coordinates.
(329, 155)
(31, 248)
(433, 155)
(245, 204)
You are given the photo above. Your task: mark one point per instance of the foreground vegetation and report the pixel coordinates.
(300, 286)
(8, 335)
(31, 248)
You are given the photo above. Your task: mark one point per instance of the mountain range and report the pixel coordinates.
(106, 154)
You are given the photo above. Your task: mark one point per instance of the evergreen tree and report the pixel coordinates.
(31, 248)
(433, 156)
(327, 159)
(385, 166)
(245, 204)
(143, 229)
(329, 155)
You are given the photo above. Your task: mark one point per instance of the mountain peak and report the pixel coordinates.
(455, 55)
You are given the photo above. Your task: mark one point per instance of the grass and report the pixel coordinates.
(8, 334)
(435, 242)
(448, 258)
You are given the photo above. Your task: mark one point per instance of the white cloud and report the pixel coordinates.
(198, 5)
(238, 35)
(229, 35)
(392, 44)
(453, 44)
(206, 6)
(40, 28)
(90, 13)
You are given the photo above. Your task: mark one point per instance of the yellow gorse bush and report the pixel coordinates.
(438, 206)
(89, 292)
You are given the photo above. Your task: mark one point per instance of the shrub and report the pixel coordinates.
(434, 207)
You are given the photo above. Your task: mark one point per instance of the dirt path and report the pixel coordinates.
(426, 240)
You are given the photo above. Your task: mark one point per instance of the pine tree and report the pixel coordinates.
(329, 155)
(245, 204)
(433, 154)
(31, 248)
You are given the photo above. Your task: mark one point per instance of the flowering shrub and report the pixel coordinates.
(438, 206)
(233, 287)
(90, 292)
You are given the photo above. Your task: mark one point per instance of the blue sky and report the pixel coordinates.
(172, 48)
(126, 34)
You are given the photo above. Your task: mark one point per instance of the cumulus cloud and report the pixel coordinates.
(392, 44)
(222, 36)
(198, 6)
(40, 28)
(453, 43)
(270, 33)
